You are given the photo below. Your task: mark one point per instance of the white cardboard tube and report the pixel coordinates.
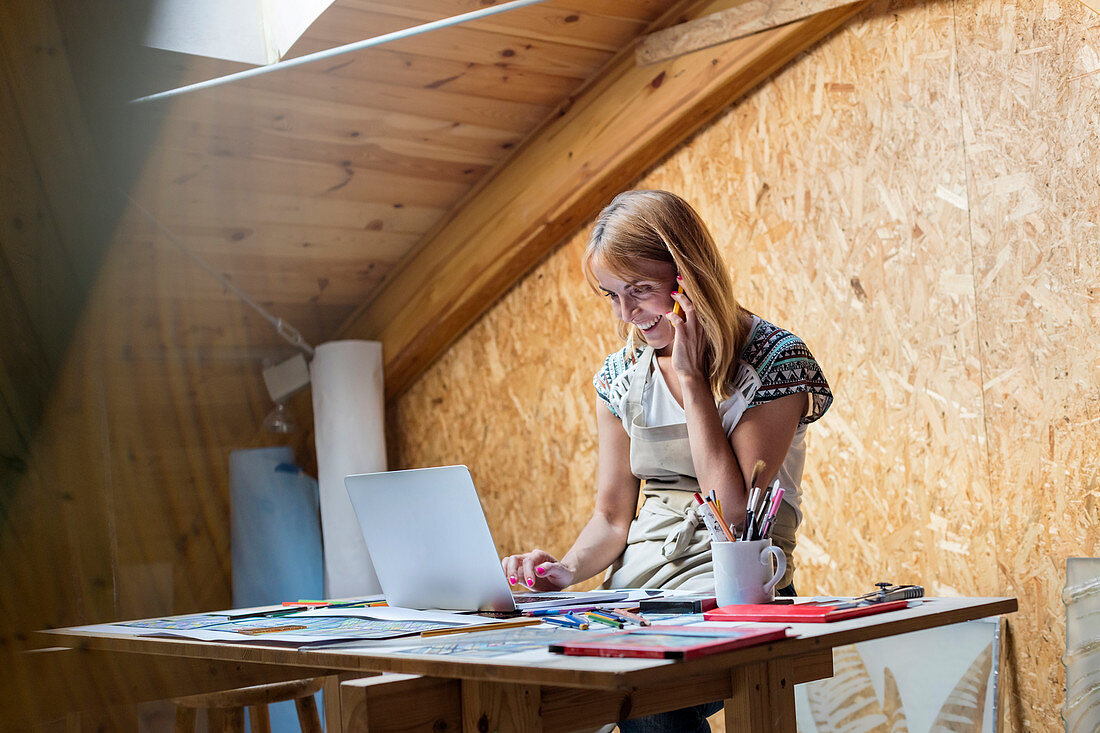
(348, 420)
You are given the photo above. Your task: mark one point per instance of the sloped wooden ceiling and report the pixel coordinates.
(336, 192)
(308, 186)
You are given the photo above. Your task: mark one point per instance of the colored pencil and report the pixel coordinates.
(511, 624)
(640, 620)
(604, 620)
(562, 621)
(721, 521)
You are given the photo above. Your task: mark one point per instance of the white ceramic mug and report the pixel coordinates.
(743, 571)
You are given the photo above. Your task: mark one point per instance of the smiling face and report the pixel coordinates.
(642, 299)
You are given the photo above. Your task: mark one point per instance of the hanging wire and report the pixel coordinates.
(339, 50)
(284, 329)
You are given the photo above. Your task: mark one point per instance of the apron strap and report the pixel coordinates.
(682, 535)
(637, 383)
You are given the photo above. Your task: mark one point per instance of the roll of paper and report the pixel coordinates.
(348, 414)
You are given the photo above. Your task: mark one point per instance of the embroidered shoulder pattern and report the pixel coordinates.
(786, 367)
(613, 379)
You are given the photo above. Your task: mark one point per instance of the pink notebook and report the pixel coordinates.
(799, 613)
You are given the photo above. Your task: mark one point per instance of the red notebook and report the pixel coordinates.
(799, 613)
(668, 642)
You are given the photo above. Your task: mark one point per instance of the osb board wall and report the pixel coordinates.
(918, 198)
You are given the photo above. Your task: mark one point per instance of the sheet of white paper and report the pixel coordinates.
(326, 626)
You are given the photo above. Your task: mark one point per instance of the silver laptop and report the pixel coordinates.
(431, 547)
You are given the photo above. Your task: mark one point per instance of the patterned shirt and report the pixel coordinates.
(782, 361)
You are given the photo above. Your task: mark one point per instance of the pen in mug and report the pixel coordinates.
(747, 534)
(769, 503)
(721, 522)
(772, 512)
(761, 515)
(709, 519)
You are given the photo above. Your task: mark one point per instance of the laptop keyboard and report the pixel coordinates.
(521, 598)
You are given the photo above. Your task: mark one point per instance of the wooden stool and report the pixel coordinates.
(226, 709)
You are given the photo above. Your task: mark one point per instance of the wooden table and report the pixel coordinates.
(555, 693)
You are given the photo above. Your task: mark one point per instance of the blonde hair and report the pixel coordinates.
(659, 226)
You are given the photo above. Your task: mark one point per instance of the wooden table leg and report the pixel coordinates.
(491, 706)
(763, 698)
(330, 699)
(400, 702)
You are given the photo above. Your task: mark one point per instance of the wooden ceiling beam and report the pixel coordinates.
(616, 127)
(728, 25)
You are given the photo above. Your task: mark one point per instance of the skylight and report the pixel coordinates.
(250, 31)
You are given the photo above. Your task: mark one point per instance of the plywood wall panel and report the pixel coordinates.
(828, 211)
(916, 197)
(1030, 74)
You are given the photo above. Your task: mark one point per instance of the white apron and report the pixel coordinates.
(668, 545)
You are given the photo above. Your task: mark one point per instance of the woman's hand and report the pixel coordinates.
(537, 570)
(689, 341)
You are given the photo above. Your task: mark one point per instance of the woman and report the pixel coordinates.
(691, 403)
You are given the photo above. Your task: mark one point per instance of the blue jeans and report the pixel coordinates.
(685, 720)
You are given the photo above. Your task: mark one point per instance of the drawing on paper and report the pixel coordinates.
(177, 623)
(495, 643)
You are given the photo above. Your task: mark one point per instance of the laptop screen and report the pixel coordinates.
(428, 539)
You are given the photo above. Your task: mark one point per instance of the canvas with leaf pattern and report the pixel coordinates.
(931, 681)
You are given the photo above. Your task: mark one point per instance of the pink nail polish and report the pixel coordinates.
(512, 579)
(530, 583)
(540, 571)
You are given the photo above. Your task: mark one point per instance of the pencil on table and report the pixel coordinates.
(561, 621)
(601, 619)
(514, 623)
(640, 620)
